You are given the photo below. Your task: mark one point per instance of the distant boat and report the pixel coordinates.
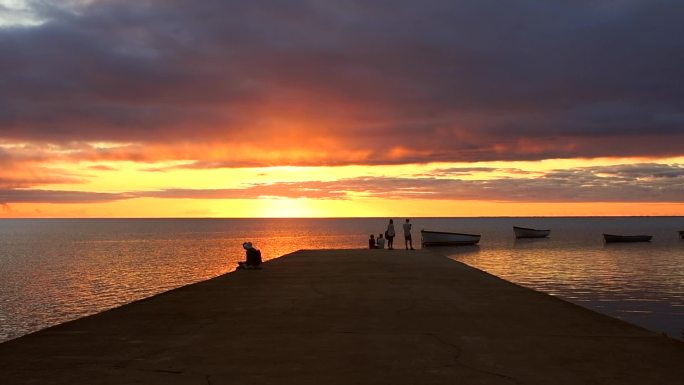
(524, 232)
(627, 238)
(443, 238)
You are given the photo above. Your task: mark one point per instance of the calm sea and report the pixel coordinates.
(56, 270)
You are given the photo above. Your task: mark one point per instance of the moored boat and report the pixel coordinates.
(524, 232)
(443, 238)
(627, 238)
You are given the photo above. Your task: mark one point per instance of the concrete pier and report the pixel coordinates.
(346, 317)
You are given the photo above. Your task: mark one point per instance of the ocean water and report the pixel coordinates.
(56, 270)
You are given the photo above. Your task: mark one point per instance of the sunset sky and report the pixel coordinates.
(392, 108)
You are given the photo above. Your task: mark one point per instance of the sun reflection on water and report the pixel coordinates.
(52, 271)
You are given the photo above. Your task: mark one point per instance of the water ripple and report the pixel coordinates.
(52, 271)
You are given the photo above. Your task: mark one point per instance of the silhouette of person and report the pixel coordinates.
(371, 242)
(389, 234)
(380, 241)
(407, 235)
(253, 257)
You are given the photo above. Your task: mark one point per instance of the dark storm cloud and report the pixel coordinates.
(451, 80)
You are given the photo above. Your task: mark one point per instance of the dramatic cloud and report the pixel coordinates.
(241, 83)
(22, 168)
(462, 171)
(52, 196)
(620, 183)
(13, 182)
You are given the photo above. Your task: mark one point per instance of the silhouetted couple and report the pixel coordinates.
(378, 243)
(390, 233)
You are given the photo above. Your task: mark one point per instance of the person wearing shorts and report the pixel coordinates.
(407, 235)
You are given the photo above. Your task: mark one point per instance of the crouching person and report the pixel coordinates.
(253, 259)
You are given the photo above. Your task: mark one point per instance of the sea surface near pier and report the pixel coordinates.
(341, 317)
(56, 270)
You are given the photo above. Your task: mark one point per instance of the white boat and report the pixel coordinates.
(524, 232)
(443, 238)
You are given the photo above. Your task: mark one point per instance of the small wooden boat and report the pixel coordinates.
(443, 238)
(524, 232)
(627, 238)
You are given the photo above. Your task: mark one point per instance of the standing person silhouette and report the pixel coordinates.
(389, 234)
(407, 235)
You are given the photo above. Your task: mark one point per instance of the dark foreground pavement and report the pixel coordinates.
(346, 317)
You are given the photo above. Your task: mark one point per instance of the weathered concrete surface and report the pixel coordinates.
(346, 317)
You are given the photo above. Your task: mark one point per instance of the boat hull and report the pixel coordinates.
(524, 232)
(442, 238)
(627, 238)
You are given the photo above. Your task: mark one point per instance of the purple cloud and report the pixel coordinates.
(447, 80)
